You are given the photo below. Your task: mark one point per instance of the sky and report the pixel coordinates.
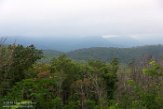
(82, 18)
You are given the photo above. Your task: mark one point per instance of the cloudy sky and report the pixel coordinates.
(80, 18)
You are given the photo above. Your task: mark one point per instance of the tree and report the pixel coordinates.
(69, 71)
(144, 90)
(16, 61)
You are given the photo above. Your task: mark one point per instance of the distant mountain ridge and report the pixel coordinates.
(66, 44)
(125, 55)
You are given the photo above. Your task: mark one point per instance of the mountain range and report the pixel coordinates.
(125, 55)
(98, 48)
(66, 44)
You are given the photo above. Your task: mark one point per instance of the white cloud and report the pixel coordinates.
(110, 36)
(80, 17)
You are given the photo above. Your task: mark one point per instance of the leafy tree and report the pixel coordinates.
(69, 69)
(147, 92)
(17, 61)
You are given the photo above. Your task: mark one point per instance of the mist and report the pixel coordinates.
(82, 18)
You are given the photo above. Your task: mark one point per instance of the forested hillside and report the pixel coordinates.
(50, 54)
(64, 83)
(125, 55)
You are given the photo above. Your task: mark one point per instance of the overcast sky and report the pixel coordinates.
(107, 18)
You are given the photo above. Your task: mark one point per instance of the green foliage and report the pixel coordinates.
(154, 70)
(67, 84)
(72, 105)
(57, 103)
(148, 96)
(15, 68)
(110, 76)
(42, 91)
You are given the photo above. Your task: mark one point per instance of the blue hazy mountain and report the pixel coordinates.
(73, 43)
(124, 41)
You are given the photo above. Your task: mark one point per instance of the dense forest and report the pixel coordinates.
(102, 81)
(125, 55)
